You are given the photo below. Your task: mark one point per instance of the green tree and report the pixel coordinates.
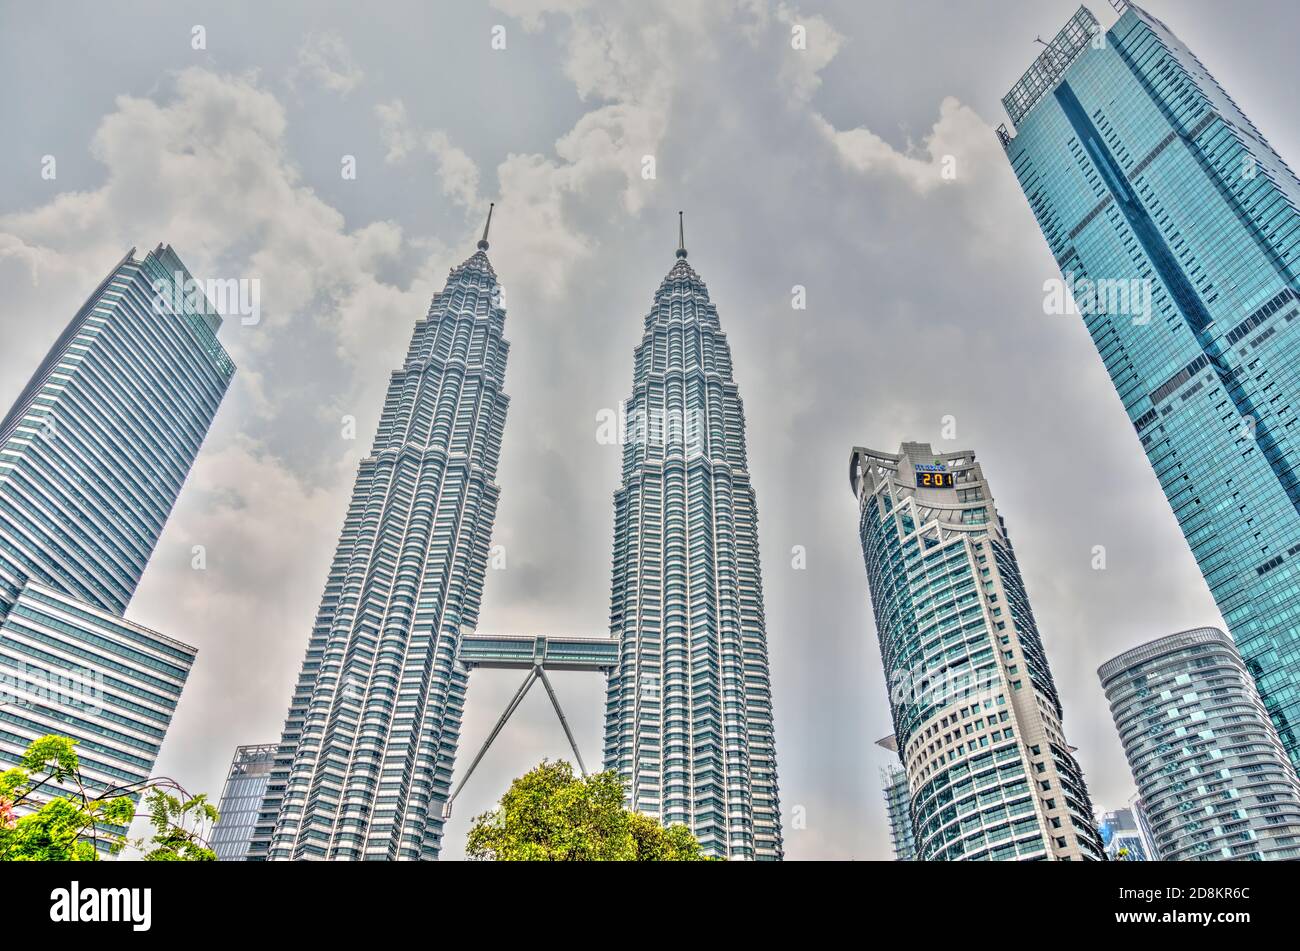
(551, 815)
(66, 827)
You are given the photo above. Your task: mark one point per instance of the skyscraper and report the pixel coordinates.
(1214, 780)
(977, 720)
(92, 457)
(241, 800)
(94, 452)
(365, 759)
(1175, 224)
(689, 708)
(73, 669)
(1122, 837)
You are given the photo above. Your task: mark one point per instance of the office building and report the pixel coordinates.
(1176, 229)
(689, 707)
(364, 765)
(241, 801)
(898, 808)
(93, 455)
(1121, 836)
(977, 719)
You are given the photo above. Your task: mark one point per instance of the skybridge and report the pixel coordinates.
(536, 654)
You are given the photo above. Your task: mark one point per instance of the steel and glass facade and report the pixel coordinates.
(76, 670)
(94, 452)
(241, 801)
(1148, 180)
(689, 707)
(365, 758)
(92, 458)
(977, 719)
(1121, 835)
(1215, 782)
(898, 809)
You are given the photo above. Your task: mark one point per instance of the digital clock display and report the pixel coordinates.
(933, 477)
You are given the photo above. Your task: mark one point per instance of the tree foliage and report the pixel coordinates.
(551, 815)
(48, 815)
(180, 824)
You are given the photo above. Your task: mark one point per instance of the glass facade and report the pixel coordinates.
(76, 670)
(523, 652)
(977, 720)
(94, 452)
(898, 807)
(241, 801)
(365, 760)
(1122, 837)
(1176, 225)
(93, 455)
(689, 707)
(1214, 780)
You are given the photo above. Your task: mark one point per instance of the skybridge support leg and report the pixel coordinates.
(536, 673)
(514, 705)
(555, 702)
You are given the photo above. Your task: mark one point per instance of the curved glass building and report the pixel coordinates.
(689, 706)
(977, 719)
(1215, 781)
(365, 759)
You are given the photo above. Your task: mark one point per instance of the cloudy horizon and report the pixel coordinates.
(821, 168)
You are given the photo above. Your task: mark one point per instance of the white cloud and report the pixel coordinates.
(395, 130)
(457, 170)
(958, 137)
(631, 58)
(240, 210)
(326, 60)
(801, 67)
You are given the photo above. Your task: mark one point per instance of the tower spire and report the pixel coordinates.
(681, 236)
(483, 241)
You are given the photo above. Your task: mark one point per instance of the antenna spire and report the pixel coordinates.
(681, 236)
(483, 241)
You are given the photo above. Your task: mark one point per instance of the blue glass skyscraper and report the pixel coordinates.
(1176, 225)
(689, 710)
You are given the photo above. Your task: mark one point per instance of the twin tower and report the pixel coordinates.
(364, 765)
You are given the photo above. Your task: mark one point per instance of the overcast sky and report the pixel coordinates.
(818, 167)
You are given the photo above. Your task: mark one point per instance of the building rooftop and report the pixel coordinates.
(1145, 653)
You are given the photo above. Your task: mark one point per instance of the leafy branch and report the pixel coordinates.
(74, 825)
